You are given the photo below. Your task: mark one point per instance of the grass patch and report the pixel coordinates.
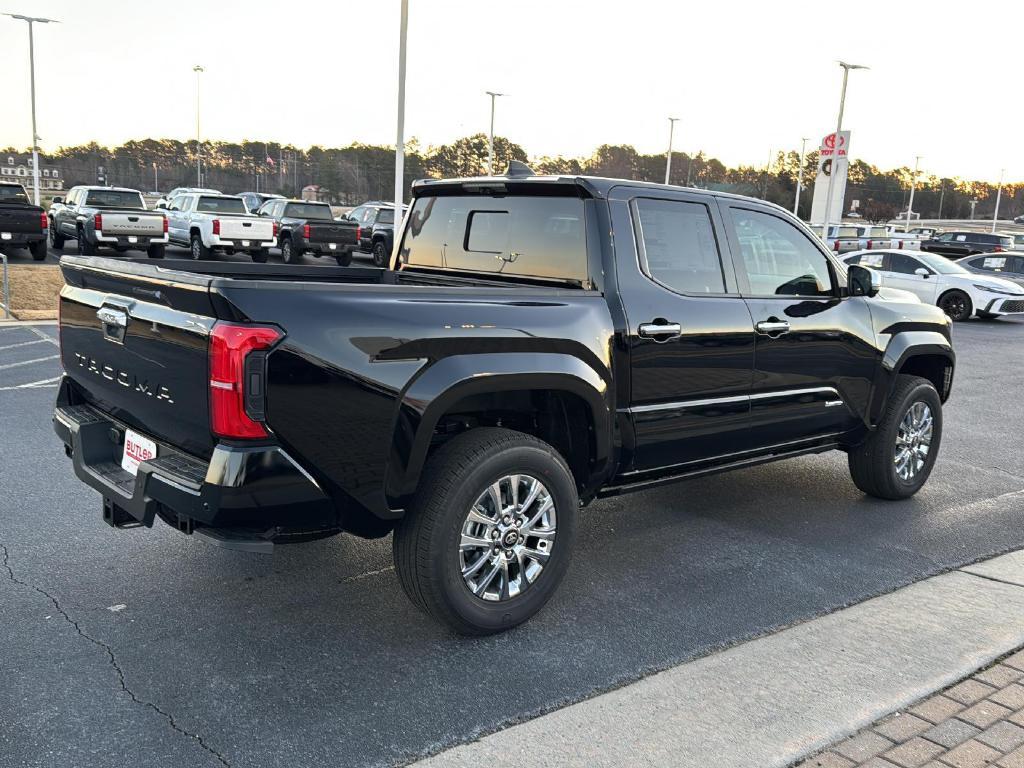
(34, 291)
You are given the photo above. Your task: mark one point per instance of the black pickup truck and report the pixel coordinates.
(540, 342)
(309, 227)
(22, 225)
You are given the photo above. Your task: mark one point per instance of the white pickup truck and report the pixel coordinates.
(208, 222)
(107, 217)
(845, 238)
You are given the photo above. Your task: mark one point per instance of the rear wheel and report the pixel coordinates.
(85, 248)
(897, 458)
(956, 304)
(199, 251)
(288, 252)
(155, 251)
(56, 239)
(38, 250)
(344, 258)
(380, 254)
(490, 534)
(259, 255)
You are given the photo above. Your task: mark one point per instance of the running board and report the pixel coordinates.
(240, 540)
(642, 485)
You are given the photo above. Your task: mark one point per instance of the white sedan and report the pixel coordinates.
(937, 280)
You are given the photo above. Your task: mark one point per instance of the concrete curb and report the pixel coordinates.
(774, 700)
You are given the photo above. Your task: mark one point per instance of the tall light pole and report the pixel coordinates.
(767, 172)
(668, 155)
(800, 176)
(403, 32)
(913, 184)
(199, 147)
(32, 79)
(999, 194)
(490, 136)
(156, 182)
(835, 150)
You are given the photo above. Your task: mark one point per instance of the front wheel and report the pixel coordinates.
(897, 458)
(956, 304)
(489, 536)
(380, 254)
(37, 250)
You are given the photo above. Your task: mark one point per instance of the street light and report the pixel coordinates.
(668, 156)
(913, 183)
(490, 138)
(32, 78)
(835, 150)
(999, 194)
(400, 140)
(199, 151)
(800, 176)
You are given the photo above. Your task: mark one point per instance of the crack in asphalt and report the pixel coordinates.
(112, 658)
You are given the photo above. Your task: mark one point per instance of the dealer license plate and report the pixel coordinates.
(333, 246)
(245, 242)
(133, 239)
(5, 235)
(136, 449)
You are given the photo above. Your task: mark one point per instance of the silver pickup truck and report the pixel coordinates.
(113, 217)
(207, 223)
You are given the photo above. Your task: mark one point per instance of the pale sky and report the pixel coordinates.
(744, 76)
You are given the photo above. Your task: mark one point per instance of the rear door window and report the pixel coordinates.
(522, 236)
(678, 246)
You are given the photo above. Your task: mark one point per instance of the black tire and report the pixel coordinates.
(288, 253)
(56, 240)
(426, 541)
(156, 251)
(259, 256)
(38, 250)
(344, 258)
(873, 465)
(380, 254)
(85, 248)
(199, 251)
(956, 304)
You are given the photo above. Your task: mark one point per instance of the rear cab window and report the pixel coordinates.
(314, 211)
(210, 204)
(538, 237)
(113, 198)
(12, 194)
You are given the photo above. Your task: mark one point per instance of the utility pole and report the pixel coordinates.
(800, 176)
(668, 155)
(403, 33)
(973, 203)
(32, 83)
(156, 183)
(835, 149)
(490, 136)
(199, 147)
(942, 194)
(767, 170)
(999, 194)
(913, 183)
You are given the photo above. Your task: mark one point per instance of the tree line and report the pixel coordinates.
(349, 175)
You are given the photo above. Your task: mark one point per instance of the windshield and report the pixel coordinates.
(12, 194)
(847, 232)
(879, 232)
(114, 198)
(315, 211)
(941, 264)
(221, 205)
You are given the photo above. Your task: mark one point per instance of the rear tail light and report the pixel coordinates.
(871, 244)
(835, 246)
(44, 222)
(275, 229)
(165, 225)
(216, 226)
(97, 221)
(238, 379)
(998, 249)
(305, 231)
(359, 234)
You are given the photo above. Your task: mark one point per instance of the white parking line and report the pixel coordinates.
(28, 362)
(22, 344)
(44, 336)
(41, 384)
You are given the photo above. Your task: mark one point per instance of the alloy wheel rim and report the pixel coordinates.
(913, 441)
(507, 538)
(955, 306)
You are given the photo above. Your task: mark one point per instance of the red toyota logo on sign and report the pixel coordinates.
(830, 141)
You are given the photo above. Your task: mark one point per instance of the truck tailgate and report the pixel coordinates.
(21, 220)
(332, 232)
(132, 223)
(134, 340)
(246, 228)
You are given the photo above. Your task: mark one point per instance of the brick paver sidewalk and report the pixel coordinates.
(977, 722)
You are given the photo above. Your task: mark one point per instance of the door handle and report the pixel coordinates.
(660, 331)
(772, 327)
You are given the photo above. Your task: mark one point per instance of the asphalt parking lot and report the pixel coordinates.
(150, 648)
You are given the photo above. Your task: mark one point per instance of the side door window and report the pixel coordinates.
(779, 259)
(902, 264)
(678, 248)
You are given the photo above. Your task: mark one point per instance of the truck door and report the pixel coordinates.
(689, 334)
(814, 357)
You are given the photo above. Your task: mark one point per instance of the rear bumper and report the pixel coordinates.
(21, 239)
(140, 241)
(254, 488)
(216, 241)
